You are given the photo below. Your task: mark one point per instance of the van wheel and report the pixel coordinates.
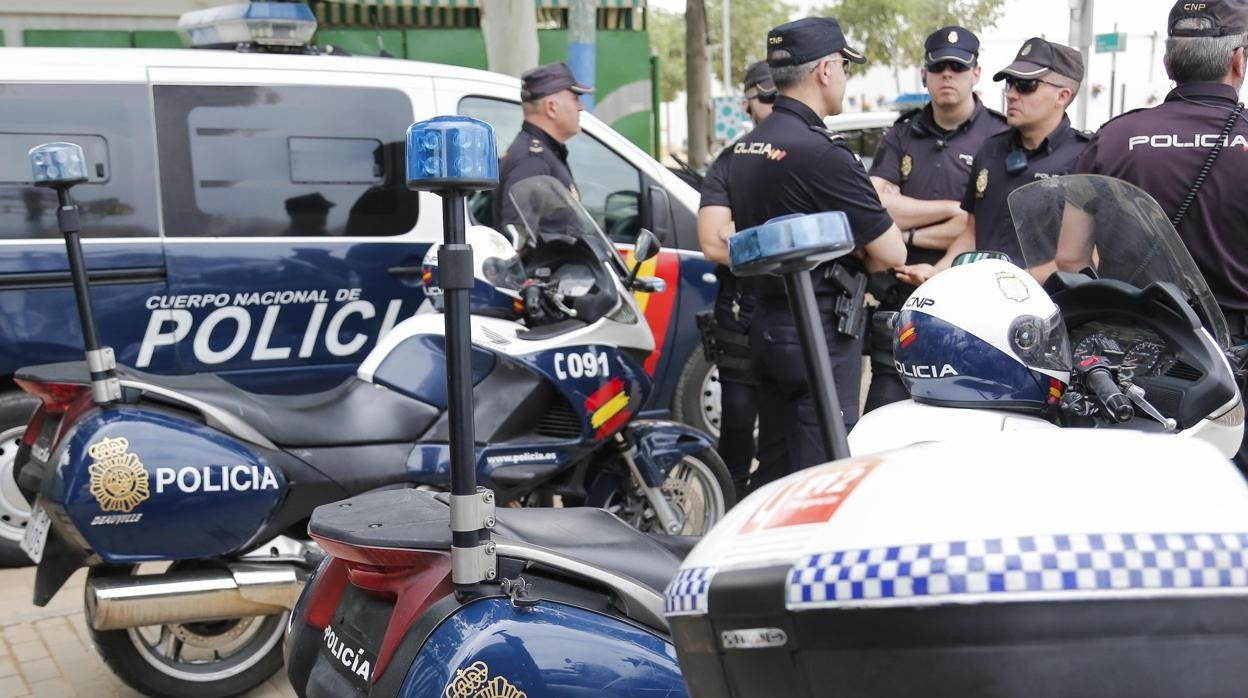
(697, 399)
(192, 660)
(15, 411)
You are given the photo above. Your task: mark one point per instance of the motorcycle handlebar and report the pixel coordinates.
(1116, 405)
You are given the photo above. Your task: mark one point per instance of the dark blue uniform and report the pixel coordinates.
(533, 152)
(991, 183)
(734, 306)
(926, 162)
(792, 164)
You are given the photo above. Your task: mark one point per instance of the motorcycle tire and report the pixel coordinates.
(15, 411)
(697, 398)
(144, 666)
(704, 467)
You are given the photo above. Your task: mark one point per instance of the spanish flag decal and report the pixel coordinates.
(608, 408)
(907, 335)
(1056, 388)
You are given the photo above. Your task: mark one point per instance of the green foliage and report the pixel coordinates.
(892, 31)
(667, 39)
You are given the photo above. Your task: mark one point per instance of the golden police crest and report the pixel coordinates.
(474, 681)
(981, 183)
(118, 478)
(907, 164)
(953, 37)
(1012, 287)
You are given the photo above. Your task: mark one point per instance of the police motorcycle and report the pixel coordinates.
(188, 498)
(1124, 334)
(1040, 562)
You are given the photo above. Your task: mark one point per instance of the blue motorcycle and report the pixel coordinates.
(188, 498)
(430, 594)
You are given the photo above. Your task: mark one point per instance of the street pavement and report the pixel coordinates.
(47, 651)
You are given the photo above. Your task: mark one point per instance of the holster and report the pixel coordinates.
(851, 310)
(706, 329)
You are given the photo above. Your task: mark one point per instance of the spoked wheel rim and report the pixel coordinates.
(211, 651)
(691, 489)
(14, 511)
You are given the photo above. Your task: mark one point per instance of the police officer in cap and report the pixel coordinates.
(734, 304)
(792, 164)
(1163, 149)
(552, 115)
(920, 171)
(1040, 84)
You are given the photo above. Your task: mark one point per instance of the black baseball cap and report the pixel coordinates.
(1038, 57)
(806, 40)
(952, 43)
(758, 76)
(1209, 18)
(548, 79)
(309, 203)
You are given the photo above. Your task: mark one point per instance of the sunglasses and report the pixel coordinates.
(763, 98)
(942, 66)
(845, 64)
(1027, 86)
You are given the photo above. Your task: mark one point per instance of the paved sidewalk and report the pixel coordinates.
(47, 651)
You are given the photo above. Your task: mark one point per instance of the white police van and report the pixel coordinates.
(246, 214)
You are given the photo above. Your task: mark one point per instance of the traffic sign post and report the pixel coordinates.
(1114, 44)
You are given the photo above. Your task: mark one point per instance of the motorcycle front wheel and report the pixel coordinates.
(698, 488)
(192, 660)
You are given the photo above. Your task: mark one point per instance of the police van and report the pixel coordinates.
(246, 215)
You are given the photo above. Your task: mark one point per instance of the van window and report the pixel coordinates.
(112, 125)
(274, 161)
(610, 188)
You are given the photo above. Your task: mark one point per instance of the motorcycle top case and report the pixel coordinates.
(142, 485)
(1073, 562)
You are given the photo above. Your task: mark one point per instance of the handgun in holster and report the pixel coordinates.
(851, 310)
(710, 343)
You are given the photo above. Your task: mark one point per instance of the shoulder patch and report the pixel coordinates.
(535, 146)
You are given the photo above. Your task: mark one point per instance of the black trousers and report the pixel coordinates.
(789, 436)
(886, 386)
(737, 383)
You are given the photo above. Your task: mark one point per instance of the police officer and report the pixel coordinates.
(552, 115)
(1163, 149)
(792, 164)
(735, 302)
(920, 172)
(1040, 84)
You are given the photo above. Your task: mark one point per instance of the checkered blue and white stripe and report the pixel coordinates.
(1061, 564)
(687, 593)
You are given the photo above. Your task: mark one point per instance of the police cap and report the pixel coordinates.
(309, 203)
(951, 44)
(806, 40)
(758, 76)
(545, 80)
(1038, 57)
(1208, 18)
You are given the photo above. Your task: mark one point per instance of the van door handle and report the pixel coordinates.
(406, 271)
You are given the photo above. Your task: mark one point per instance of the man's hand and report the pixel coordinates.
(915, 274)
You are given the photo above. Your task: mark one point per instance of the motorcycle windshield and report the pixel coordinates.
(1073, 222)
(551, 214)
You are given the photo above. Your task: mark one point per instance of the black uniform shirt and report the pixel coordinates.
(990, 185)
(715, 193)
(1161, 150)
(929, 163)
(791, 163)
(533, 152)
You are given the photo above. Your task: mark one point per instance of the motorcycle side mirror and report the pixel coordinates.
(647, 247)
(649, 284)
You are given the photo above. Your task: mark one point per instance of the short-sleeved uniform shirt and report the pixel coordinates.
(791, 163)
(715, 193)
(990, 184)
(1161, 150)
(534, 152)
(930, 163)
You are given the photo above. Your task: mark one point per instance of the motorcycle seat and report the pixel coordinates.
(416, 519)
(353, 412)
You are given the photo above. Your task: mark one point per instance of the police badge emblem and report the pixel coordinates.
(1012, 287)
(1026, 50)
(953, 37)
(535, 146)
(981, 183)
(118, 478)
(474, 682)
(907, 164)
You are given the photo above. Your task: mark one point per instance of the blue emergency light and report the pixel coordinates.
(790, 243)
(451, 152)
(58, 164)
(263, 23)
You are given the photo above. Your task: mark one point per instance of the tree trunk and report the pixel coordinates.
(510, 31)
(698, 83)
